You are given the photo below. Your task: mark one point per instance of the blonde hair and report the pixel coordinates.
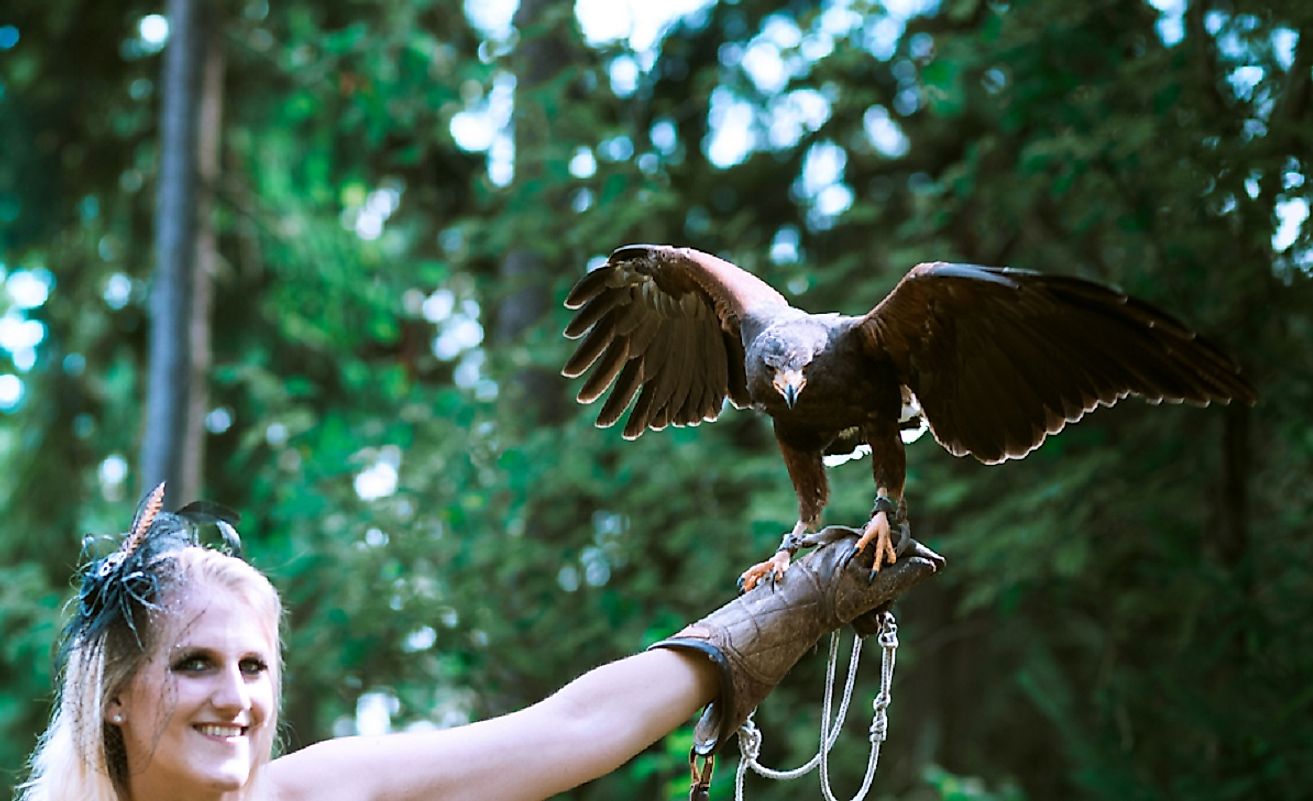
(80, 756)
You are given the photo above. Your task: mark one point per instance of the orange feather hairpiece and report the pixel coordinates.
(117, 588)
(141, 522)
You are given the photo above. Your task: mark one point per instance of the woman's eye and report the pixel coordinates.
(253, 667)
(191, 664)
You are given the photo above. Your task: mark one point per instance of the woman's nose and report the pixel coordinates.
(230, 691)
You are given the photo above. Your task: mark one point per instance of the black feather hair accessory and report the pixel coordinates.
(116, 587)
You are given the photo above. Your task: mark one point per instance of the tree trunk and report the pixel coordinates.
(524, 271)
(185, 252)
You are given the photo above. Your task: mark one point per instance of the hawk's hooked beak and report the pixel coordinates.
(789, 384)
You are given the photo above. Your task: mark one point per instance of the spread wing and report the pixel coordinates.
(1001, 358)
(663, 323)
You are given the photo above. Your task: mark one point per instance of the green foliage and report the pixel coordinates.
(966, 788)
(1125, 611)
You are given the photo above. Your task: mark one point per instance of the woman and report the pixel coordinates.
(170, 683)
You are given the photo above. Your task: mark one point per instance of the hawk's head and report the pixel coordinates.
(787, 350)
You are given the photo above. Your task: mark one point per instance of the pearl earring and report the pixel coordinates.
(117, 718)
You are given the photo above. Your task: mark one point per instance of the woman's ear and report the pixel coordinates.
(114, 712)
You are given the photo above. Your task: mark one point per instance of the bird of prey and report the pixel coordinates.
(992, 359)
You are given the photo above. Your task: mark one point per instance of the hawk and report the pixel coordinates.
(992, 360)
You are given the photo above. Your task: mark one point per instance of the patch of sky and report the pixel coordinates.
(366, 212)
(491, 18)
(154, 31)
(20, 337)
(473, 129)
(379, 478)
(11, 392)
(596, 565)
(1292, 178)
(483, 125)
(438, 306)
(152, 36)
(118, 291)
(641, 23)
(664, 136)
(421, 639)
(624, 73)
(276, 434)
(567, 578)
(29, 288)
(1244, 80)
(374, 711)
(880, 36)
(793, 114)
(885, 135)
(1292, 215)
(581, 200)
(458, 324)
(764, 65)
(219, 420)
(820, 184)
(822, 167)
(906, 9)
(113, 474)
(1252, 185)
(731, 137)
(469, 370)
(583, 164)
(616, 148)
(785, 245)
(1171, 20)
(501, 159)
(1284, 42)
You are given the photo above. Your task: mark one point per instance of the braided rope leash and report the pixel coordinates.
(750, 737)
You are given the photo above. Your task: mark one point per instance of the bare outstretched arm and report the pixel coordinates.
(590, 727)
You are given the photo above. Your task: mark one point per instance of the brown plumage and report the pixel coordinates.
(992, 359)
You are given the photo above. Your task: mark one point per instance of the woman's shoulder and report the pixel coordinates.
(340, 768)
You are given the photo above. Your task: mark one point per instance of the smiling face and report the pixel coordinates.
(196, 717)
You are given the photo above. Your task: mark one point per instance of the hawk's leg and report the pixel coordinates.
(807, 473)
(774, 567)
(879, 530)
(889, 465)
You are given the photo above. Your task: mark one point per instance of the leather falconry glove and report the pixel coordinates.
(755, 639)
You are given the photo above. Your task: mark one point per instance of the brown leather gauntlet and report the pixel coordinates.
(756, 638)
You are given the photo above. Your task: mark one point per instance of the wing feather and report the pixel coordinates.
(640, 416)
(591, 312)
(663, 324)
(587, 352)
(736, 359)
(608, 367)
(626, 386)
(999, 359)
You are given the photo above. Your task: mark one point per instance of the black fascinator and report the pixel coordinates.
(120, 586)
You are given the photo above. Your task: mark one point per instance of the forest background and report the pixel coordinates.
(395, 196)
